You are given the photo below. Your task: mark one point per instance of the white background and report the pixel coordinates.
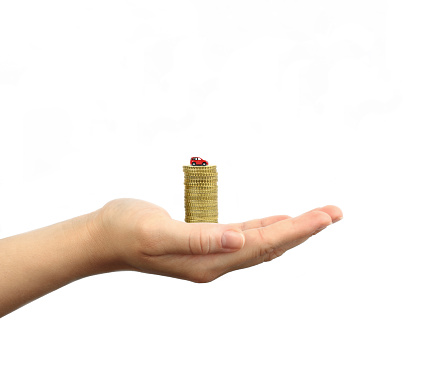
(299, 104)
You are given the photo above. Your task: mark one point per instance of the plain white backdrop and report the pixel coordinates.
(299, 104)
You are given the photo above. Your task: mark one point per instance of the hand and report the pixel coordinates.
(138, 235)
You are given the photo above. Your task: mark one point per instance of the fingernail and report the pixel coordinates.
(321, 228)
(232, 240)
(338, 219)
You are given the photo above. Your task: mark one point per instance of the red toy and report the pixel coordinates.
(197, 161)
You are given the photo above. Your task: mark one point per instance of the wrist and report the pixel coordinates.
(99, 246)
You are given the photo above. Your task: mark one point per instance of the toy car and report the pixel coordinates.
(197, 161)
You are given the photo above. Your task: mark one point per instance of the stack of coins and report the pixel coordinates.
(201, 193)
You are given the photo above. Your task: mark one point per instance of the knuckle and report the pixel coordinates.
(273, 253)
(199, 242)
(320, 217)
(266, 245)
(264, 240)
(244, 225)
(203, 241)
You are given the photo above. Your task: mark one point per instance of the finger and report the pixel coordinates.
(261, 222)
(289, 230)
(333, 211)
(177, 237)
(198, 243)
(265, 243)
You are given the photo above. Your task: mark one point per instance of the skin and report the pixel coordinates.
(135, 235)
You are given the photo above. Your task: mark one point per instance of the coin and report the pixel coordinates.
(199, 168)
(201, 193)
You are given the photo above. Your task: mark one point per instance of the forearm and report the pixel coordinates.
(35, 263)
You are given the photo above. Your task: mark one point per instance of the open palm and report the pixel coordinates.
(142, 236)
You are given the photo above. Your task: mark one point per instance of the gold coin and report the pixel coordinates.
(206, 213)
(200, 173)
(201, 186)
(209, 211)
(202, 221)
(202, 207)
(203, 216)
(205, 199)
(201, 198)
(201, 193)
(196, 177)
(201, 190)
(198, 216)
(205, 174)
(199, 168)
(201, 202)
(202, 179)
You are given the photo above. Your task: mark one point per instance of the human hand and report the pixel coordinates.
(137, 235)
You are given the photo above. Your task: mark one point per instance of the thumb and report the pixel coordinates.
(200, 238)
